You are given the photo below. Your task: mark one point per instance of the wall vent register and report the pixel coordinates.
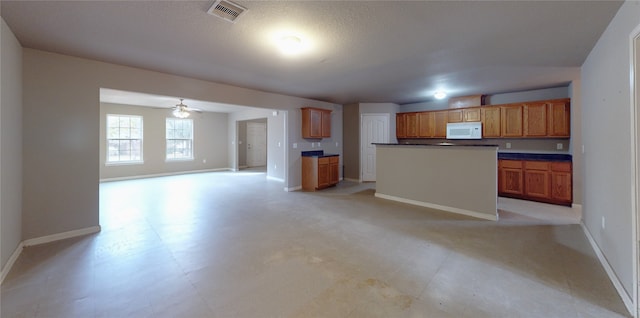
(226, 10)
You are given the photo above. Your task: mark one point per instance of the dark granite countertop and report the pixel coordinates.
(535, 156)
(440, 144)
(317, 153)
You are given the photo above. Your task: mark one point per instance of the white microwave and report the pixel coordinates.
(470, 130)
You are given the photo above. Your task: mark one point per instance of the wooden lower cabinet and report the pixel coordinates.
(542, 181)
(320, 172)
(510, 178)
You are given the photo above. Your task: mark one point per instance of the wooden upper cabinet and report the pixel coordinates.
(455, 116)
(511, 120)
(426, 124)
(490, 117)
(472, 114)
(316, 123)
(411, 122)
(440, 124)
(535, 119)
(559, 118)
(401, 125)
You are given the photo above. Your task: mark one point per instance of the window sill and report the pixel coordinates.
(179, 160)
(124, 163)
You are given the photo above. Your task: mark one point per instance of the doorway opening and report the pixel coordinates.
(252, 144)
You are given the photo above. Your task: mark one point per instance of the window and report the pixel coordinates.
(124, 139)
(179, 139)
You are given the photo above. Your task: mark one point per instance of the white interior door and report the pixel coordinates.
(374, 129)
(256, 144)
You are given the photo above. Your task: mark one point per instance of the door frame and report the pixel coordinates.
(388, 133)
(634, 88)
(250, 123)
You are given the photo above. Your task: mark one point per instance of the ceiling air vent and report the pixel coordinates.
(226, 10)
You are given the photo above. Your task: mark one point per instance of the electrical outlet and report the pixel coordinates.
(559, 146)
(278, 144)
(319, 145)
(508, 145)
(295, 145)
(313, 145)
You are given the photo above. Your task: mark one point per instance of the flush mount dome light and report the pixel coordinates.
(290, 44)
(440, 95)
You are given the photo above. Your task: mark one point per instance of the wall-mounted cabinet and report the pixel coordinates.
(316, 123)
(541, 119)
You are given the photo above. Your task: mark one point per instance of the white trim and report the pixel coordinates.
(14, 257)
(164, 174)
(243, 167)
(275, 179)
(362, 142)
(439, 207)
(352, 180)
(628, 302)
(291, 189)
(635, 185)
(42, 240)
(61, 236)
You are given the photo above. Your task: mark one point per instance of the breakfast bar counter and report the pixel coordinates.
(455, 178)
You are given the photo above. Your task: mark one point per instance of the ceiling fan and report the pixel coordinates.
(182, 111)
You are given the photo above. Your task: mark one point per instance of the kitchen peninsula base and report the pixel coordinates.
(458, 179)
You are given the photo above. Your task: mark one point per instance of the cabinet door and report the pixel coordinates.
(326, 124)
(455, 116)
(334, 170)
(537, 179)
(535, 120)
(490, 122)
(559, 117)
(511, 120)
(561, 178)
(401, 129)
(471, 114)
(324, 173)
(411, 123)
(426, 124)
(511, 175)
(440, 127)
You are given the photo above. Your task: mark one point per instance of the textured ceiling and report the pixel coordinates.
(361, 51)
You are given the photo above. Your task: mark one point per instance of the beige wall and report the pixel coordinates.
(351, 141)
(457, 179)
(606, 135)
(209, 149)
(10, 144)
(353, 114)
(61, 118)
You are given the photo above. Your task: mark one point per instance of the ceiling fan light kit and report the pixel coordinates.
(181, 110)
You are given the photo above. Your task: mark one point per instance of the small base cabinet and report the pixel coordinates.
(320, 172)
(543, 181)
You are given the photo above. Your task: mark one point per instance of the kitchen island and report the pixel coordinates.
(455, 178)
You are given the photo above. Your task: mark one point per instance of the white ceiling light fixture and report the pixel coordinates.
(290, 44)
(440, 95)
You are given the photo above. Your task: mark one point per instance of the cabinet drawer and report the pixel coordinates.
(561, 166)
(324, 160)
(536, 165)
(515, 164)
(334, 159)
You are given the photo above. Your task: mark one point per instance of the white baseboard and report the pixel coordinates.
(14, 257)
(243, 167)
(352, 180)
(626, 298)
(61, 236)
(440, 207)
(43, 240)
(275, 179)
(166, 174)
(291, 189)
